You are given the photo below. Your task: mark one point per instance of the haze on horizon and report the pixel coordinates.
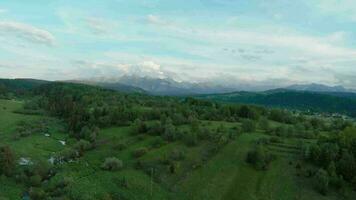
(277, 42)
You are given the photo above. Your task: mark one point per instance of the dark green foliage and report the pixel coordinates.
(37, 194)
(139, 127)
(264, 124)
(112, 164)
(140, 152)
(259, 157)
(177, 154)
(7, 161)
(321, 181)
(248, 126)
(82, 146)
(247, 112)
(336, 156)
(158, 142)
(301, 100)
(170, 132)
(190, 138)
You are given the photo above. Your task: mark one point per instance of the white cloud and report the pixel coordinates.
(342, 9)
(157, 20)
(26, 32)
(112, 70)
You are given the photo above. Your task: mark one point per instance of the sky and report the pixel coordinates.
(278, 42)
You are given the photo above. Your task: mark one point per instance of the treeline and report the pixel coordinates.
(12, 88)
(308, 101)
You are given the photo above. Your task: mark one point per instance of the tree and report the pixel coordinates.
(259, 157)
(7, 161)
(139, 127)
(247, 112)
(170, 132)
(321, 181)
(347, 166)
(191, 138)
(264, 124)
(248, 126)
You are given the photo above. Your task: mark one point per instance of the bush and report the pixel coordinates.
(177, 155)
(321, 181)
(37, 194)
(191, 138)
(259, 157)
(35, 180)
(82, 146)
(140, 152)
(248, 126)
(112, 164)
(139, 127)
(120, 146)
(264, 124)
(7, 161)
(66, 155)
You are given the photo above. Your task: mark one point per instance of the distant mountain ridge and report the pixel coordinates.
(120, 87)
(319, 88)
(163, 86)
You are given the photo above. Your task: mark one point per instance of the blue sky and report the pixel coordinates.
(226, 41)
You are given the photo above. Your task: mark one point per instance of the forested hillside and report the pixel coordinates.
(11, 87)
(73, 141)
(343, 103)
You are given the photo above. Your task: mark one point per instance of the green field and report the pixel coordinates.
(219, 176)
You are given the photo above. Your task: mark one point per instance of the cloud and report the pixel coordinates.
(27, 32)
(156, 20)
(341, 9)
(112, 70)
(100, 25)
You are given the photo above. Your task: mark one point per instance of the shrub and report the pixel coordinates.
(139, 127)
(7, 161)
(321, 181)
(35, 180)
(248, 126)
(177, 154)
(120, 146)
(66, 155)
(37, 194)
(112, 164)
(82, 146)
(264, 124)
(191, 138)
(140, 152)
(259, 157)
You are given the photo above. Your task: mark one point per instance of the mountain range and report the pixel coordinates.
(171, 87)
(314, 97)
(319, 88)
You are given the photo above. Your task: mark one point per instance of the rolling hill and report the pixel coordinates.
(343, 103)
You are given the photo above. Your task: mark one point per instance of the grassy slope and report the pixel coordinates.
(35, 147)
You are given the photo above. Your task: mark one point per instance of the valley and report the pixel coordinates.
(155, 147)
